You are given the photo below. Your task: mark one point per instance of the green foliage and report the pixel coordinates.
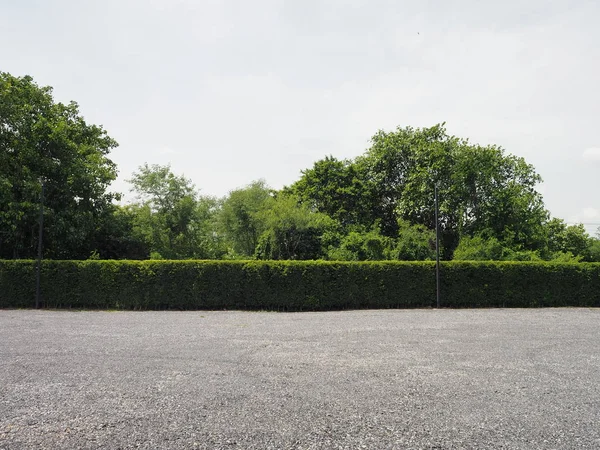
(259, 223)
(482, 191)
(563, 239)
(116, 237)
(520, 284)
(338, 189)
(239, 220)
(413, 243)
(159, 188)
(576, 240)
(41, 139)
(565, 245)
(566, 257)
(170, 218)
(594, 250)
(361, 246)
(528, 255)
(292, 230)
(378, 206)
(480, 248)
(480, 188)
(297, 285)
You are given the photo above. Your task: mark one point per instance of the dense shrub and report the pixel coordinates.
(296, 285)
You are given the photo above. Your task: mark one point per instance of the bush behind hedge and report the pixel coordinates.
(296, 285)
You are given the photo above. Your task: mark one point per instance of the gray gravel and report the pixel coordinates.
(522, 379)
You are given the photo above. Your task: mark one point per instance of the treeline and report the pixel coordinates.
(378, 206)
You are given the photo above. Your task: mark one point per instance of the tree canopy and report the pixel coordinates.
(42, 140)
(170, 216)
(482, 190)
(377, 206)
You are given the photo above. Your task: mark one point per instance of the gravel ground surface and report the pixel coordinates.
(434, 379)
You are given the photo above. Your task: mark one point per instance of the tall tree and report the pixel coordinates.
(481, 189)
(170, 216)
(566, 238)
(44, 140)
(116, 236)
(291, 230)
(336, 188)
(239, 220)
(593, 251)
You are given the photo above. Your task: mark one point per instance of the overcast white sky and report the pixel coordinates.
(233, 91)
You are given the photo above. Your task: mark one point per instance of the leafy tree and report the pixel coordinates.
(567, 239)
(593, 252)
(337, 189)
(388, 164)
(480, 188)
(42, 139)
(360, 245)
(564, 257)
(414, 243)
(478, 248)
(239, 219)
(206, 226)
(292, 230)
(482, 248)
(170, 217)
(594, 248)
(116, 237)
(565, 244)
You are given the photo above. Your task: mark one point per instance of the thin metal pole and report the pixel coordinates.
(39, 255)
(437, 248)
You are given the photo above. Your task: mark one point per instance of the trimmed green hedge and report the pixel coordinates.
(296, 285)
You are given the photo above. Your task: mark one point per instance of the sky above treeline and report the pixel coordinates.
(232, 91)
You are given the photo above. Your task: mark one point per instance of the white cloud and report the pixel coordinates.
(591, 213)
(228, 92)
(166, 151)
(592, 154)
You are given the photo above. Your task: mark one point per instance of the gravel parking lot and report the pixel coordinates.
(522, 379)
